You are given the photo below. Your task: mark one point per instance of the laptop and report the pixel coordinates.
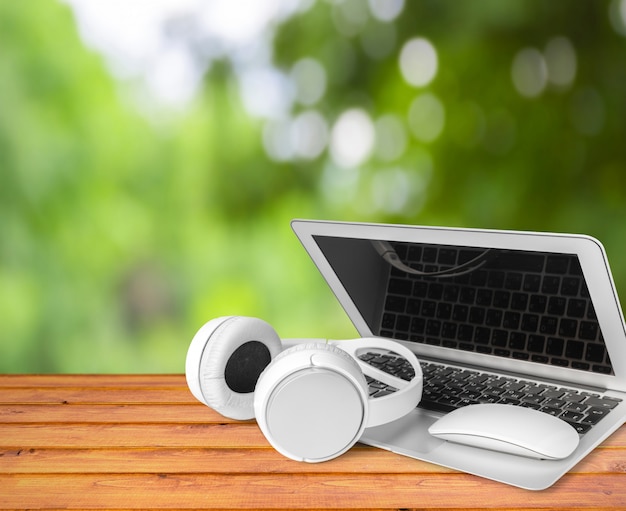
(520, 318)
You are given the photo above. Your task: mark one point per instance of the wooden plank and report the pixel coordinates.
(359, 460)
(192, 413)
(245, 434)
(27, 436)
(96, 396)
(258, 491)
(148, 413)
(92, 380)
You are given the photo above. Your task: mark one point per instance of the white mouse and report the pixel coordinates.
(509, 429)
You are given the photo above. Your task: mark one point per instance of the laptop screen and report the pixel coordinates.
(517, 304)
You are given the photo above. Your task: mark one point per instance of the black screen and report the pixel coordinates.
(517, 304)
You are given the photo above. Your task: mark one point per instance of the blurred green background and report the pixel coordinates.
(152, 154)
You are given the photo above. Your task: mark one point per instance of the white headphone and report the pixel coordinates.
(311, 401)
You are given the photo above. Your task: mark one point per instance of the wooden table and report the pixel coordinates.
(126, 442)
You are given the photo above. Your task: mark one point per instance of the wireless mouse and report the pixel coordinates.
(509, 429)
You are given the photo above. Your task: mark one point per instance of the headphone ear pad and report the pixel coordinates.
(224, 361)
(311, 402)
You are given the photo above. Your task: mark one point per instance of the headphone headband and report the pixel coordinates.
(393, 406)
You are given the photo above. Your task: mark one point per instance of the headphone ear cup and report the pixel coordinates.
(311, 402)
(224, 362)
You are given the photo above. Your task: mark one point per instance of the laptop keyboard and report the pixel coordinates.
(448, 388)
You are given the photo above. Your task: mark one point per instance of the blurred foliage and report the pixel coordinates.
(122, 234)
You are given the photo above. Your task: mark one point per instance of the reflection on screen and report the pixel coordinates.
(522, 305)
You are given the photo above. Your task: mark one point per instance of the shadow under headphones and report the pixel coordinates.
(311, 400)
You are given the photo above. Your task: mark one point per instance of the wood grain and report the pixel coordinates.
(298, 491)
(143, 442)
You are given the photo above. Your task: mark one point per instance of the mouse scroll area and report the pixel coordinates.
(508, 429)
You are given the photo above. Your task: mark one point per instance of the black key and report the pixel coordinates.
(535, 399)
(581, 429)
(429, 255)
(433, 327)
(513, 386)
(513, 281)
(435, 291)
(601, 369)
(531, 283)
(576, 308)
(436, 406)
(494, 391)
(574, 397)
(536, 343)
(451, 293)
(509, 401)
(553, 393)
(459, 313)
(595, 353)
(574, 349)
(395, 303)
(554, 403)
(588, 330)
(595, 415)
(560, 362)
(552, 411)
(418, 325)
(550, 285)
(517, 341)
(572, 416)
(488, 399)
(520, 261)
(555, 346)
(495, 280)
(511, 320)
(420, 289)
(388, 321)
(448, 330)
(484, 297)
(556, 305)
(479, 278)
(444, 310)
(476, 315)
(548, 325)
(537, 304)
(511, 394)
(519, 301)
(414, 253)
(606, 403)
(570, 286)
(403, 322)
(576, 407)
(465, 333)
(482, 335)
(447, 256)
(501, 299)
(494, 317)
(568, 327)
(557, 264)
(429, 309)
(467, 295)
(499, 338)
(400, 287)
(530, 322)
